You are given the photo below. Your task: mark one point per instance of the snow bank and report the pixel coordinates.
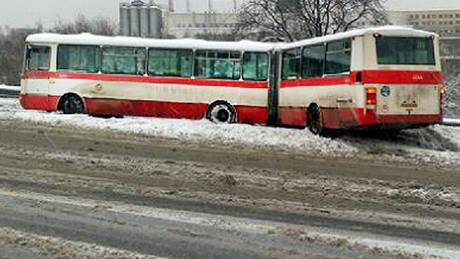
(191, 131)
(438, 144)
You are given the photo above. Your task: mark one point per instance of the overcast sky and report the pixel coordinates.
(26, 13)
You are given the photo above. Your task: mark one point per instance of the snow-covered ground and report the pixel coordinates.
(438, 144)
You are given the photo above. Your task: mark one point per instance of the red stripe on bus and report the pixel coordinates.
(401, 77)
(323, 81)
(344, 118)
(43, 103)
(347, 118)
(147, 79)
(112, 107)
(292, 116)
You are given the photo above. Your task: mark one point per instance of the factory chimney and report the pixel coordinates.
(210, 7)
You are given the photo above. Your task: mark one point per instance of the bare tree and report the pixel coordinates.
(291, 20)
(99, 26)
(12, 42)
(11, 53)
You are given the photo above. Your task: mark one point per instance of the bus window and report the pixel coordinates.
(38, 58)
(123, 60)
(291, 64)
(83, 59)
(255, 66)
(165, 62)
(313, 61)
(218, 64)
(338, 57)
(405, 51)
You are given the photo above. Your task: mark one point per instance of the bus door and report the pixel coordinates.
(37, 63)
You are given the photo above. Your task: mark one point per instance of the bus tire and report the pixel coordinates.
(72, 104)
(221, 112)
(315, 120)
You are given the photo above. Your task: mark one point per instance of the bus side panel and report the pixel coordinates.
(337, 102)
(290, 116)
(251, 115)
(38, 102)
(193, 111)
(145, 108)
(163, 97)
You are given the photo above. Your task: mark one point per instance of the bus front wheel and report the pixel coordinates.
(221, 112)
(72, 104)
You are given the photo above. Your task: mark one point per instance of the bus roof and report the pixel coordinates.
(245, 45)
(90, 39)
(383, 30)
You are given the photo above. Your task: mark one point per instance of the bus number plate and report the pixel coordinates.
(406, 104)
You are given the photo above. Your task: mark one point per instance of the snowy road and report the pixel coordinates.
(77, 186)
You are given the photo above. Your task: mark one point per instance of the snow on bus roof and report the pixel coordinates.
(245, 45)
(90, 39)
(382, 30)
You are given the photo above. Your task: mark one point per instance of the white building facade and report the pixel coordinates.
(192, 25)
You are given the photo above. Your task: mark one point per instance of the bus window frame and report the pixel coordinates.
(323, 68)
(299, 76)
(435, 61)
(101, 70)
(268, 65)
(344, 40)
(241, 53)
(147, 71)
(27, 58)
(98, 57)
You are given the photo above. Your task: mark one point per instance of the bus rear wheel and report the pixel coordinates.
(72, 104)
(221, 112)
(315, 120)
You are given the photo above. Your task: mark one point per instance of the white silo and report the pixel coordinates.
(156, 22)
(140, 19)
(134, 21)
(124, 20)
(144, 23)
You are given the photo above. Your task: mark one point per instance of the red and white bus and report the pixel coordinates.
(378, 77)
(385, 77)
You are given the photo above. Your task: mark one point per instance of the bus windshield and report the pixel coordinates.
(405, 51)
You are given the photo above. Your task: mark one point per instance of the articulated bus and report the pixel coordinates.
(386, 77)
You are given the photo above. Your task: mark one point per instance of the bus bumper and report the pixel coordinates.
(361, 118)
(38, 102)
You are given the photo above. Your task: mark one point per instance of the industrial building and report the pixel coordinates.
(150, 20)
(443, 22)
(140, 19)
(191, 25)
